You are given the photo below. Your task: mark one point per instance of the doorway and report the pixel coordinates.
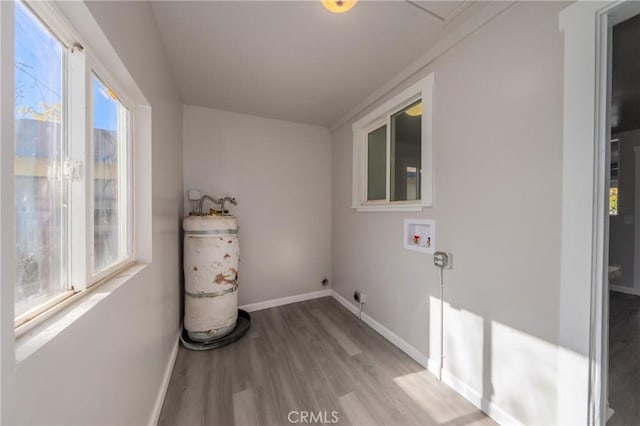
(623, 266)
(584, 274)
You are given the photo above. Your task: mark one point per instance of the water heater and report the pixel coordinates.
(211, 255)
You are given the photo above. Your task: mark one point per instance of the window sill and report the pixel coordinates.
(35, 334)
(391, 208)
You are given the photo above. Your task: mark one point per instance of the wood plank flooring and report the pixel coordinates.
(624, 359)
(311, 362)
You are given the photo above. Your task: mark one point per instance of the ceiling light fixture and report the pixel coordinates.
(338, 6)
(415, 110)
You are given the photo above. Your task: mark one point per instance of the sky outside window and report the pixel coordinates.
(38, 74)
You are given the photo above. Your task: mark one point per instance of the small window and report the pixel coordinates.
(392, 153)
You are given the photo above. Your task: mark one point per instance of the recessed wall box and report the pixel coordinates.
(420, 235)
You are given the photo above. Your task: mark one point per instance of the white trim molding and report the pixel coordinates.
(285, 300)
(582, 337)
(401, 344)
(487, 12)
(577, 233)
(164, 385)
(382, 209)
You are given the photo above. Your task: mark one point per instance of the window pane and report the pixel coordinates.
(377, 164)
(406, 143)
(110, 178)
(40, 216)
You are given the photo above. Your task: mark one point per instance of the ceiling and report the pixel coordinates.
(293, 60)
(625, 84)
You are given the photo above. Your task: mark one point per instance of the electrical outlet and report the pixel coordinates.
(358, 296)
(442, 259)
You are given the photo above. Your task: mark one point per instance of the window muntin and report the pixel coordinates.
(110, 172)
(41, 214)
(377, 164)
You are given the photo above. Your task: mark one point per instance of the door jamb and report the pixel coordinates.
(583, 316)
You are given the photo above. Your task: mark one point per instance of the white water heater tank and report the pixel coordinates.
(211, 254)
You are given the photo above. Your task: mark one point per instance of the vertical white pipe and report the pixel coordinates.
(441, 324)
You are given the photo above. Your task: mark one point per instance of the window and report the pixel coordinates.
(377, 164)
(406, 147)
(392, 167)
(73, 193)
(110, 178)
(40, 190)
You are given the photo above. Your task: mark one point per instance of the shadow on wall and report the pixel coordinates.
(503, 347)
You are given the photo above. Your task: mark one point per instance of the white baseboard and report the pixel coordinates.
(473, 396)
(164, 386)
(467, 392)
(285, 300)
(405, 347)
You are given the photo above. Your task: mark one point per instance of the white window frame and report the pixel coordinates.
(49, 19)
(80, 65)
(101, 73)
(365, 146)
(423, 89)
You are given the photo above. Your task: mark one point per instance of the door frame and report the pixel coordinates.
(583, 313)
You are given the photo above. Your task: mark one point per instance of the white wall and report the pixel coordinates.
(280, 173)
(497, 208)
(107, 366)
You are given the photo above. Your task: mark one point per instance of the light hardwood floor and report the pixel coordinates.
(311, 357)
